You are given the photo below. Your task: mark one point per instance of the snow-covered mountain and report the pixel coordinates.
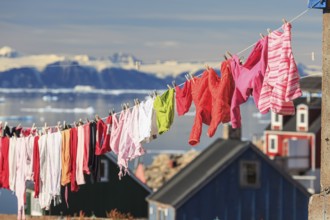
(8, 52)
(161, 69)
(119, 71)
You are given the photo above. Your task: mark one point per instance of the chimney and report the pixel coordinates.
(230, 133)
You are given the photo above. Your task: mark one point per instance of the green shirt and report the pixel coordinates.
(164, 107)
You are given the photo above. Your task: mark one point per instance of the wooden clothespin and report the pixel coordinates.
(80, 121)
(192, 77)
(173, 84)
(87, 120)
(269, 30)
(168, 86)
(64, 124)
(229, 54)
(155, 93)
(225, 57)
(261, 35)
(187, 77)
(206, 67)
(284, 21)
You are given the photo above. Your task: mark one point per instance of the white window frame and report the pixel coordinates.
(105, 177)
(275, 122)
(301, 112)
(162, 213)
(270, 138)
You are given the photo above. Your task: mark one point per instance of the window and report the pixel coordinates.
(162, 214)
(272, 144)
(249, 173)
(302, 117)
(276, 121)
(104, 170)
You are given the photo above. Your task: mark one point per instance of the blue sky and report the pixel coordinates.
(184, 30)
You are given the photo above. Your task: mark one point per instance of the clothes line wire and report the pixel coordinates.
(238, 53)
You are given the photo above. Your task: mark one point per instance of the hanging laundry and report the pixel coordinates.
(73, 156)
(86, 147)
(248, 78)
(106, 143)
(65, 157)
(54, 144)
(45, 176)
(102, 145)
(164, 107)
(21, 156)
(137, 149)
(222, 89)
(281, 83)
(147, 121)
(117, 126)
(12, 163)
(80, 156)
(203, 102)
(4, 163)
(36, 166)
(183, 98)
(94, 160)
(125, 143)
(29, 157)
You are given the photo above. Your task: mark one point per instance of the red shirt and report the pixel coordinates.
(222, 89)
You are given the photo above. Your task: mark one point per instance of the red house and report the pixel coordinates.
(294, 141)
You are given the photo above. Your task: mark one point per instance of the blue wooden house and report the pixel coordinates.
(230, 180)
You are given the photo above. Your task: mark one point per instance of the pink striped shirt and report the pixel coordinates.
(281, 82)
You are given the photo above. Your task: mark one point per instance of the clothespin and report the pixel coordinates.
(19, 125)
(113, 111)
(58, 126)
(64, 124)
(168, 86)
(229, 54)
(206, 67)
(225, 57)
(155, 93)
(45, 128)
(269, 30)
(186, 77)
(241, 59)
(261, 35)
(80, 121)
(87, 120)
(192, 77)
(284, 21)
(138, 101)
(173, 84)
(33, 127)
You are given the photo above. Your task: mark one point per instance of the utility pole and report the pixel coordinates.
(319, 204)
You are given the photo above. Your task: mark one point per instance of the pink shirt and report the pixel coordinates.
(117, 126)
(281, 83)
(80, 156)
(248, 79)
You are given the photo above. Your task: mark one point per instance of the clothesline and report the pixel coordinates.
(240, 52)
